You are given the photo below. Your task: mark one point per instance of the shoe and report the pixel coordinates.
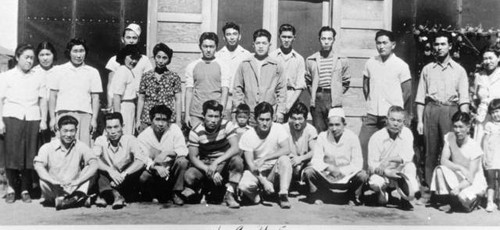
(355, 202)
(10, 198)
(383, 197)
(66, 202)
(100, 202)
(284, 203)
(118, 204)
(445, 208)
(423, 201)
(405, 205)
(319, 202)
(230, 201)
(491, 206)
(177, 200)
(25, 197)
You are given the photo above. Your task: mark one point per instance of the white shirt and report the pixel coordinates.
(232, 60)
(20, 93)
(48, 75)
(172, 140)
(124, 84)
(381, 146)
(142, 66)
(251, 142)
(294, 68)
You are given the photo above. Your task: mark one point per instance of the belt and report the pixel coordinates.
(128, 100)
(323, 90)
(440, 103)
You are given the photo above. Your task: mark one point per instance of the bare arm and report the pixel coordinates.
(95, 111)
(44, 174)
(195, 160)
(232, 151)
(140, 106)
(366, 87)
(283, 151)
(178, 108)
(224, 96)
(52, 109)
(110, 97)
(189, 97)
(87, 172)
(406, 89)
(117, 100)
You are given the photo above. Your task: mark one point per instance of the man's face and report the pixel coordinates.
(160, 123)
(129, 62)
(326, 39)
(261, 46)
(208, 48)
(67, 133)
(297, 121)
(264, 122)
(385, 46)
(395, 122)
(130, 38)
(114, 129)
(441, 46)
(212, 119)
(25, 60)
(461, 130)
(286, 39)
(77, 54)
(336, 126)
(232, 36)
(161, 59)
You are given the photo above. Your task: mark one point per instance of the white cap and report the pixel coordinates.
(336, 112)
(134, 27)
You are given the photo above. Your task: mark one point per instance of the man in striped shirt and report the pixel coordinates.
(330, 78)
(215, 158)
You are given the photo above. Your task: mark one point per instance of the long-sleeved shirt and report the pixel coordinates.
(294, 68)
(381, 147)
(123, 155)
(172, 140)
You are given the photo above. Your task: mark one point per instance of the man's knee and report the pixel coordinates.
(284, 163)
(191, 176)
(181, 162)
(376, 182)
(145, 177)
(362, 176)
(236, 164)
(309, 173)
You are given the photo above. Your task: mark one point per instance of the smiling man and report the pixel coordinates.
(206, 79)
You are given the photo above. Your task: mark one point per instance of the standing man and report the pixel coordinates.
(231, 55)
(266, 152)
(386, 82)
(292, 62)
(130, 36)
(214, 154)
(442, 91)
(260, 79)
(330, 78)
(206, 79)
(391, 160)
(75, 91)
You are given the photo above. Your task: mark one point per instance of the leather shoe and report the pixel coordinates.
(25, 197)
(230, 201)
(177, 200)
(10, 198)
(284, 203)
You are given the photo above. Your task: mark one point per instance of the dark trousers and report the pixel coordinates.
(319, 183)
(129, 188)
(437, 122)
(20, 180)
(153, 185)
(231, 171)
(319, 113)
(370, 125)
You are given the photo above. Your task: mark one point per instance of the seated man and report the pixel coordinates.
(214, 155)
(121, 161)
(460, 176)
(390, 155)
(165, 146)
(65, 166)
(266, 150)
(337, 162)
(302, 138)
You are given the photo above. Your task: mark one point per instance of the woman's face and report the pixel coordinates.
(161, 59)
(129, 62)
(25, 60)
(46, 58)
(77, 55)
(490, 60)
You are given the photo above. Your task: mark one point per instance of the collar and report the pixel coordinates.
(391, 56)
(119, 142)
(57, 143)
(388, 137)
(317, 55)
(267, 60)
(280, 52)
(72, 67)
(447, 62)
(238, 49)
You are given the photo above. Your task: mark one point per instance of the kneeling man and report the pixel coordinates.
(337, 162)
(65, 166)
(266, 150)
(390, 154)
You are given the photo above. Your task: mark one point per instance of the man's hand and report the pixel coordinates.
(138, 125)
(258, 163)
(71, 186)
(93, 126)
(211, 170)
(52, 125)
(116, 177)
(267, 185)
(43, 126)
(161, 171)
(217, 178)
(334, 171)
(2, 127)
(420, 128)
(296, 160)
(187, 120)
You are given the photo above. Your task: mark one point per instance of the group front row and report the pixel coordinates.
(238, 164)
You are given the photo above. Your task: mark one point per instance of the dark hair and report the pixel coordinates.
(45, 45)
(230, 25)
(212, 105)
(261, 33)
(67, 120)
(494, 49)
(160, 109)
(76, 42)
(443, 34)
(243, 108)
(461, 116)
(131, 50)
(23, 47)
(327, 28)
(209, 36)
(396, 109)
(162, 47)
(287, 27)
(387, 33)
(113, 116)
(494, 105)
(299, 108)
(263, 107)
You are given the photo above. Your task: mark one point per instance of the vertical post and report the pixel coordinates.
(152, 26)
(459, 11)
(73, 19)
(388, 14)
(270, 20)
(327, 14)
(336, 22)
(214, 16)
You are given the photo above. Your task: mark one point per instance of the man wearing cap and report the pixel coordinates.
(130, 36)
(337, 162)
(390, 160)
(387, 82)
(330, 78)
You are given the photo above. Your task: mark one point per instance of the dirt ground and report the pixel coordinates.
(301, 213)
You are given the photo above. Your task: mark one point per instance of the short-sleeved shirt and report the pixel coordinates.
(63, 164)
(171, 140)
(251, 142)
(142, 66)
(491, 145)
(443, 82)
(301, 145)
(124, 83)
(490, 82)
(232, 60)
(385, 83)
(48, 75)
(344, 154)
(159, 92)
(20, 93)
(214, 144)
(207, 79)
(381, 147)
(122, 156)
(75, 86)
(462, 155)
(294, 68)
